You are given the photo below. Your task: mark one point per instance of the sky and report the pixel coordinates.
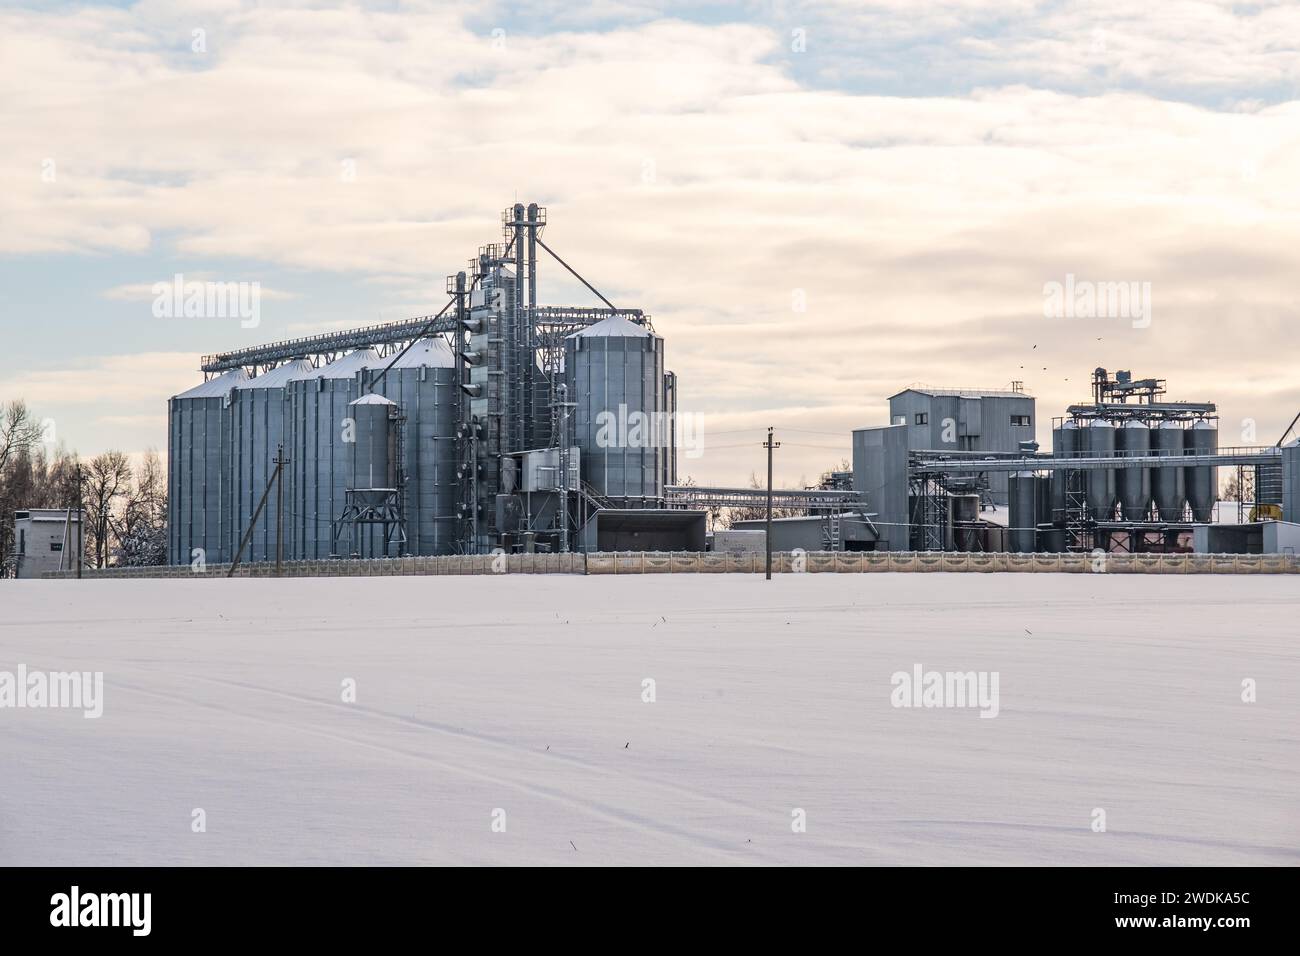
(819, 204)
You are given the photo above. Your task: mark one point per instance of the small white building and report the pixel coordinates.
(46, 539)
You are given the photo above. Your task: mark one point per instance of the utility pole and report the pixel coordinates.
(81, 524)
(65, 549)
(280, 462)
(771, 446)
(257, 513)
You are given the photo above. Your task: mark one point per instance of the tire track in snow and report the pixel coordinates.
(613, 814)
(462, 734)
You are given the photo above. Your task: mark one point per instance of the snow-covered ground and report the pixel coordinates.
(523, 694)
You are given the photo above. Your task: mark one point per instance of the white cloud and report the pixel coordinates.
(144, 291)
(688, 172)
(112, 380)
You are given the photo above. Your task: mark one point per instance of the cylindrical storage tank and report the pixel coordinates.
(1202, 480)
(1065, 444)
(1023, 512)
(423, 384)
(963, 517)
(198, 471)
(259, 407)
(371, 458)
(1044, 501)
(319, 429)
(1167, 485)
(615, 372)
(1100, 482)
(1133, 485)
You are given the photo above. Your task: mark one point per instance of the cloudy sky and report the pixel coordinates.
(819, 203)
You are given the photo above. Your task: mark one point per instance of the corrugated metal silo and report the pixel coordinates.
(615, 370)
(318, 413)
(1044, 501)
(1023, 513)
(1100, 482)
(1057, 477)
(259, 415)
(198, 470)
(1202, 480)
(1065, 444)
(423, 384)
(371, 458)
(1133, 485)
(1167, 482)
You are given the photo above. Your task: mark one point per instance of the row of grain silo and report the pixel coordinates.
(1163, 495)
(224, 435)
(1173, 490)
(487, 407)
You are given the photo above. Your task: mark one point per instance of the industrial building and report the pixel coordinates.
(846, 531)
(483, 427)
(46, 539)
(1128, 470)
(966, 420)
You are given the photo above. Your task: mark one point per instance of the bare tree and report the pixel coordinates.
(142, 532)
(19, 431)
(24, 480)
(107, 482)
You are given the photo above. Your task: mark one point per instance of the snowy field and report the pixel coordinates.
(525, 695)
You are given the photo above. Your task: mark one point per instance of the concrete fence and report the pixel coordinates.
(784, 562)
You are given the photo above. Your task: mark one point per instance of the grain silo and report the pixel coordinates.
(1202, 480)
(317, 447)
(198, 471)
(1168, 485)
(1023, 489)
(422, 383)
(615, 370)
(259, 417)
(371, 524)
(1133, 485)
(1066, 485)
(1100, 482)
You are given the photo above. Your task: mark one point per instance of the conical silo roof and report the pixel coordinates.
(350, 364)
(280, 376)
(216, 387)
(427, 353)
(613, 327)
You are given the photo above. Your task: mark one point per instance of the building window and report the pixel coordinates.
(923, 418)
(56, 545)
(1020, 420)
(900, 419)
